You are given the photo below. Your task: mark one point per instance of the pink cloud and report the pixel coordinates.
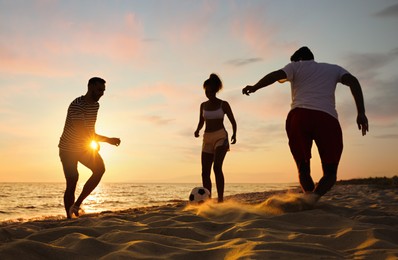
(251, 27)
(169, 92)
(190, 27)
(157, 120)
(54, 51)
(120, 41)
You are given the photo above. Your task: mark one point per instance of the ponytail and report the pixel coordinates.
(214, 83)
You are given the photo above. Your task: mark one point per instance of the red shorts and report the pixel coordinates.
(305, 125)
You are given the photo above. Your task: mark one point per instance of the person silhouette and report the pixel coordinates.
(75, 145)
(313, 116)
(215, 137)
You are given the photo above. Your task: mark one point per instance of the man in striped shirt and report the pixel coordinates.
(76, 145)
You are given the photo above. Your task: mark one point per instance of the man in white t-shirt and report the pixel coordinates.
(313, 116)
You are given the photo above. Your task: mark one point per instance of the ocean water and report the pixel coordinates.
(22, 201)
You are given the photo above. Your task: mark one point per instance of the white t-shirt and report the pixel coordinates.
(313, 85)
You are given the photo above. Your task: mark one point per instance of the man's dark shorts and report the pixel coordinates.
(305, 125)
(90, 159)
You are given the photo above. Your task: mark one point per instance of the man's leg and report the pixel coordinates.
(69, 195)
(329, 140)
(95, 163)
(306, 182)
(69, 165)
(299, 127)
(328, 179)
(207, 161)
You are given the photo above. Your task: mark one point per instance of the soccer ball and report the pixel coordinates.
(199, 195)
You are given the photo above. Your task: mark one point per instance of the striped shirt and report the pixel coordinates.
(71, 140)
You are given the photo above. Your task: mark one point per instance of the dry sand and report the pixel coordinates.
(350, 222)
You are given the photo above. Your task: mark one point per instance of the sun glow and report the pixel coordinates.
(94, 145)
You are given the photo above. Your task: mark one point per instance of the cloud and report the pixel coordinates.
(367, 64)
(391, 11)
(382, 103)
(249, 29)
(243, 62)
(378, 85)
(157, 120)
(64, 43)
(252, 26)
(164, 93)
(188, 27)
(387, 136)
(120, 40)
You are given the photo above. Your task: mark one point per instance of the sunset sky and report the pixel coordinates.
(155, 56)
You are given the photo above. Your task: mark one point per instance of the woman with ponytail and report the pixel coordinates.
(215, 137)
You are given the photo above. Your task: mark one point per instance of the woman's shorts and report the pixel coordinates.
(212, 140)
(303, 126)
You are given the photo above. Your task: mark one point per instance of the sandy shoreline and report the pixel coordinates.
(350, 222)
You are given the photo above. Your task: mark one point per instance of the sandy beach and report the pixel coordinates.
(349, 222)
